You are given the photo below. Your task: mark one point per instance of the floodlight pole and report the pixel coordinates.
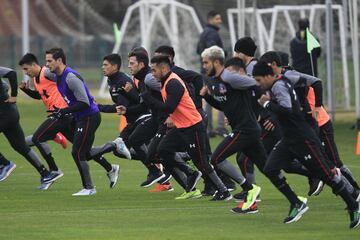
(329, 58)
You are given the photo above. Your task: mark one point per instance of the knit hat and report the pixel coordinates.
(245, 45)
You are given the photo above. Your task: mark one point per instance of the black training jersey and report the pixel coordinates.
(10, 74)
(285, 105)
(301, 83)
(230, 94)
(119, 96)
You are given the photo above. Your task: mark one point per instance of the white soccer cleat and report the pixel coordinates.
(85, 192)
(121, 148)
(113, 175)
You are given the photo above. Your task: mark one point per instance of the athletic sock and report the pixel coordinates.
(231, 171)
(250, 177)
(3, 160)
(217, 181)
(246, 186)
(104, 163)
(286, 190)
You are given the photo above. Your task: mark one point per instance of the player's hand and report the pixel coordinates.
(226, 121)
(169, 123)
(264, 98)
(316, 112)
(121, 110)
(268, 125)
(24, 84)
(56, 113)
(11, 100)
(204, 90)
(128, 86)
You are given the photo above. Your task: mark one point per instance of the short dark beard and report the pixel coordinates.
(212, 72)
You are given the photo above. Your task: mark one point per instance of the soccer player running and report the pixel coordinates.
(194, 82)
(45, 90)
(306, 147)
(230, 93)
(10, 126)
(189, 132)
(138, 134)
(78, 122)
(326, 134)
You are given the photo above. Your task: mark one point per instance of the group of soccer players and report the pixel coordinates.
(275, 113)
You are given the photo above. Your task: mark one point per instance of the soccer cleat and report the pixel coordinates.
(208, 190)
(187, 195)
(162, 188)
(297, 211)
(165, 179)
(354, 218)
(113, 175)
(52, 176)
(316, 186)
(7, 170)
(241, 197)
(85, 192)
(251, 197)
(61, 140)
(45, 186)
(193, 180)
(121, 148)
(152, 178)
(222, 196)
(251, 210)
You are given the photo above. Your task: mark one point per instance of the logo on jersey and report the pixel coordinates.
(80, 129)
(222, 88)
(308, 157)
(66, 100)
(192, 145)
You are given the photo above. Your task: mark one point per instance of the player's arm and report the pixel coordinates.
(281, 104)
(174, 91)
(31, 93)
(10, 74)
(301, 80)
(237, 81)
(77, 86)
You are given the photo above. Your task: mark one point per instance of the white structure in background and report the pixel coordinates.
(354, 29)
(266, 34)
(150, 13)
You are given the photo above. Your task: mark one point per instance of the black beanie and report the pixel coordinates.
(303, 24)
(246, 46)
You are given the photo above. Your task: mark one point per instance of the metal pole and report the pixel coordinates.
(241, 18)
(25, 25)
(356, 61)
(25, 30)
(329, 58)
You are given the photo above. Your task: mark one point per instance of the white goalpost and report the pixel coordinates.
(151, 14)
(266, 21)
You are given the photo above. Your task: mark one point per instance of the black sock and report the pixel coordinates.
(348, 199)
(43, 171)
(51, 162)
(246, 186)
(289, 194)
(104, 163)
(3, 160)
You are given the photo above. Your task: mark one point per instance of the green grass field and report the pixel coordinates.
(131, 212)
